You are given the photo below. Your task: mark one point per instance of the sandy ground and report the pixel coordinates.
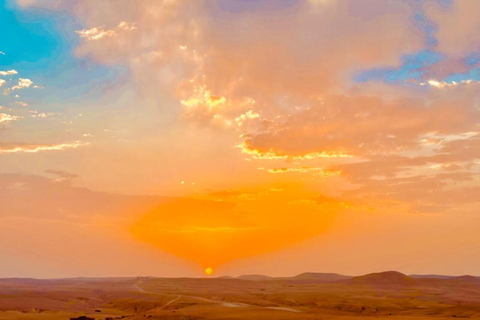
(386, 295)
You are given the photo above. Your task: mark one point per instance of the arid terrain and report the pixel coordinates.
(306, 296)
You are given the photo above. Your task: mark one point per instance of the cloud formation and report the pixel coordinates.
(22, 83)
(364, 104)
(34, 148)
(100, 32)
(8, 72)
(7, 117)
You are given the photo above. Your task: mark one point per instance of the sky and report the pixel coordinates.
(251, 137)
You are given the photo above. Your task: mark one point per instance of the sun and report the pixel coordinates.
(208, 271)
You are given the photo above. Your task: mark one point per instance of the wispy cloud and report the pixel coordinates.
(317, 171)
(271, 154)
(445, 84)
(98, 33)
(62, 175)
(34, 148)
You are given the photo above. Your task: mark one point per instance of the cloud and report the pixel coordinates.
(2, 82)
(202, 98)
(62, 175)
(456, 27)
(6, 148)
(8, 73)
(278, 80)
(40, 115)
(316, 171)
(98, 33)
(250, 114)
(21, 103)
(7, 118)
(126, 26)
(22, 83)
(444, 84)
(270, 154)
(212, 58)
(95, 33)
(228, 54)
(360, 126)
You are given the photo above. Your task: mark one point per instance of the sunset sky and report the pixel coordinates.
(247, 136)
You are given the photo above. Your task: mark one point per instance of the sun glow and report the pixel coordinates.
(208, 271)
(244, 221)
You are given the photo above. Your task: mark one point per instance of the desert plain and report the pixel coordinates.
(391, 295)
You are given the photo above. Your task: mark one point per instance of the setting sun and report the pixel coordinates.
(208, 271)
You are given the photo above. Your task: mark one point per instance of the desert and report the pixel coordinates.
(382, 295)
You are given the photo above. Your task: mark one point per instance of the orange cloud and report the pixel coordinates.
(317, 171)
(287, 92)
(273, 155)
(360, 126)
(202, 98)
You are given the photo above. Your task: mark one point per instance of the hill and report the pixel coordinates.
(388, 278)
(255, 277)
(320, 276)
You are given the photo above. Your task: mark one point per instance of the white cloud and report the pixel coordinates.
(444, 84)
(7, 117)
(21, 103)
(98, 33)
(126, 26)
(95, 33)
(40, 115)
(22, 83)
(8, 72)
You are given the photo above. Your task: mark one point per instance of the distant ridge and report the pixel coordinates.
(255, 277)
(431, 276)
(321, 276)
(306, 276)
(383, 278)
(379, 277)
(468, 279)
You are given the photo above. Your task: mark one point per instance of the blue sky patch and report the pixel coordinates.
(411, 68)
(39, 44)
